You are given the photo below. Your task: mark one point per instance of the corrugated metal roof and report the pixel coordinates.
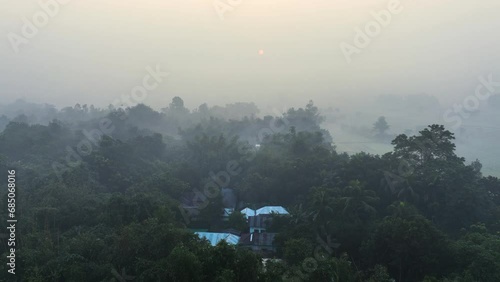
(228, 212)
(272, 209)
(248, 212)
(215, 238)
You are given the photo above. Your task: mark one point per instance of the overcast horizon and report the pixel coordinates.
(268, 52)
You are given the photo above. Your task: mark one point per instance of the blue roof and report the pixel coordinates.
(215, 238)
(248, 212)
(228, 212)
(271, 209)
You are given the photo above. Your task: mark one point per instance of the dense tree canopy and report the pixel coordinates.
(100, 190)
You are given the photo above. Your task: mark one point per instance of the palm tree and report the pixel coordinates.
(322, 204)
(357, 201)
(299, 215)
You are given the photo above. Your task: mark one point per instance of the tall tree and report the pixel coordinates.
(381, 126)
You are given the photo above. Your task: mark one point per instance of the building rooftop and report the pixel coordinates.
(215, 238)
(247, 212)
(271, 209)
(228, 211)
(264, 210)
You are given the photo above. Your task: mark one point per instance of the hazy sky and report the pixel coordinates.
(93, 51)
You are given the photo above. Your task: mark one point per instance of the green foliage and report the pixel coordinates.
(237, 221)
(409, 246)
(183, 265)
(116, 210)
(297, 250)
(478, 253)
(379, 274)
